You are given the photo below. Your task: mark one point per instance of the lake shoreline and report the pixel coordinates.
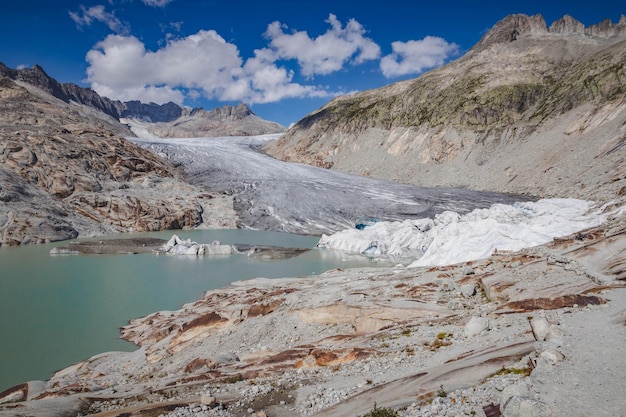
(335, 345)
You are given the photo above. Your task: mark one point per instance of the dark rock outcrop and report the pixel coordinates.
(66, 92)
(152, 112)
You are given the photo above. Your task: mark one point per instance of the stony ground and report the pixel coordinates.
(514, 332)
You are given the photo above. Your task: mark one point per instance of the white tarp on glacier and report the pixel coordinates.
(450, 238)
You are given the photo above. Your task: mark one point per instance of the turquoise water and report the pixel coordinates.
(58, 310)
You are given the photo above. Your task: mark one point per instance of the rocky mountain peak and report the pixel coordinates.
(567, 24)
(514, 26)
(237, 112)
(222, 121)
(152, 112)
(511, 27)
(606, 28)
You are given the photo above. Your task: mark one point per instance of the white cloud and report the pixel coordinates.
(156, 3)
(204, 64)
(121, 68)
(413, 57)
(85, 17)
(326, 53)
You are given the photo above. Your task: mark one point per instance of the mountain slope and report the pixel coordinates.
(529, 109)
(64, 173)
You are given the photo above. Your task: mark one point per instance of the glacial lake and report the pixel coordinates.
(59, 310)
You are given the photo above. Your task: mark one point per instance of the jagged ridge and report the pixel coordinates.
(194, 122)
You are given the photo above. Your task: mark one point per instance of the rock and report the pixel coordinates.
(512, 27)
(468, 290)
(567, 24)
(540, 327)
(447, 285)
(68, 173)
(207, 400)
(551, 357)
(606, 28)
(468, 270)
(518, 390)
(476, 326)
(15, 394)
(521, 406)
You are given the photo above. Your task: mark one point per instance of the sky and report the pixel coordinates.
(284, 59)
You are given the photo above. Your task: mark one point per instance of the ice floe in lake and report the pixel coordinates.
(179, 246)
(450, 238)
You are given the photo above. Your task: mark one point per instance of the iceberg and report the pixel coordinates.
(450, 238)
(178, 246)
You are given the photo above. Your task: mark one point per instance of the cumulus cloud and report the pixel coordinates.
(326, 53)
(120, 67)
(86, 16)
(413, 57)
(204, 64)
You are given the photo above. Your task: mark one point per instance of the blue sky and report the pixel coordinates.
(283, 58)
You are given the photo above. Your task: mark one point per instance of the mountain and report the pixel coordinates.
(64, 172)
(167, 120)
(223, 121)
(529, 109)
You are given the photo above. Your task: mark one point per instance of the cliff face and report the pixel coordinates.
(529, 109)
(63, 172)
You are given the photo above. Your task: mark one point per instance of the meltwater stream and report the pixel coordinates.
(58, 310)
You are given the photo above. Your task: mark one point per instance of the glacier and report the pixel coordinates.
(418, 226)
(274, 195)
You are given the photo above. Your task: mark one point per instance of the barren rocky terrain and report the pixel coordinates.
(516, 331)
(65, 170)
(530, 109)
(538, 332)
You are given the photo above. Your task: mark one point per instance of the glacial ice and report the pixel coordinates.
(179, 246)
(289, 197)
(419, 226)
(450, 238)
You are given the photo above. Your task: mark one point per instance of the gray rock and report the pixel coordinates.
(517, 390)
(207, 400)
(540, 327)
(476, 326)
(468, 290)
(521, 406)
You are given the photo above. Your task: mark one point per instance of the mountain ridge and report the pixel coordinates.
(478, 121)
(199, 121)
